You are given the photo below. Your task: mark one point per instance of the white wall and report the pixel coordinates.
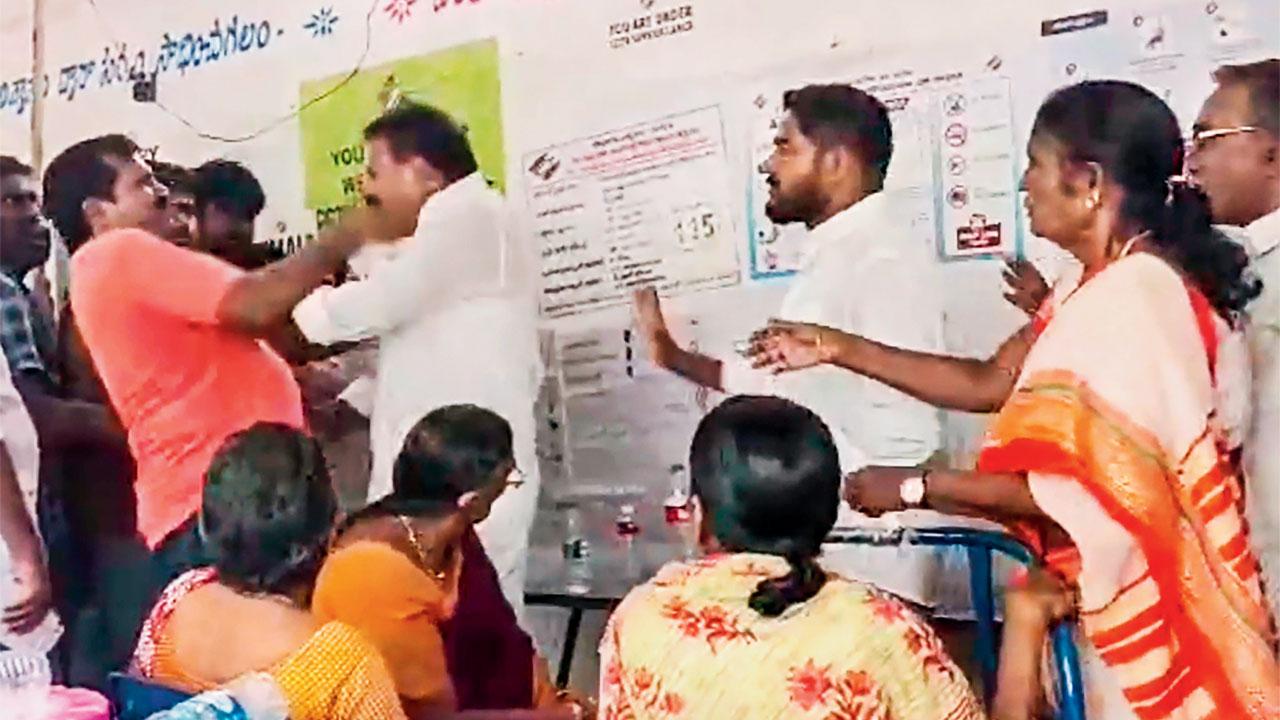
(561, 80)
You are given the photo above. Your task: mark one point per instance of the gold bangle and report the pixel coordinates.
(820, 347)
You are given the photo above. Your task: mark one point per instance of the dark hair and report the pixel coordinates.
(80, 172)
(428, 133)
(175, 178)
(1134, 137)
(844, 115)
(10, 165)
(768, 476)
(268, 509)
(1262, 80)
(229, 186)
(451, 451)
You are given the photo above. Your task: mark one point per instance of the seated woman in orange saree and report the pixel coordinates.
(409, 571)
(1109, 451)
(267, 513)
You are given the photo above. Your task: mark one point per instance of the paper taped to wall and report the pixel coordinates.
(646, 204)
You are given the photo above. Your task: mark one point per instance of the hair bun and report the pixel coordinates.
(768, 599)
(774, 595)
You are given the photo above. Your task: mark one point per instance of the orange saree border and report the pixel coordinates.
(1149, 634)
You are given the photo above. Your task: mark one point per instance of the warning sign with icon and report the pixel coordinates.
(975, 190)
(979, 234)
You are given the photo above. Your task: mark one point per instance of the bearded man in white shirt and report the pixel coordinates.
(454, 311)
(862, 271)
(1234, 156)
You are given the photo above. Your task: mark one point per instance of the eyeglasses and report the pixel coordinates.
(515, 478)
(1200, 138)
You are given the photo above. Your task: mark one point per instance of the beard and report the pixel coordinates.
(799, 204)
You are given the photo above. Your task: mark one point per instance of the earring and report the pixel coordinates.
(1091, 202)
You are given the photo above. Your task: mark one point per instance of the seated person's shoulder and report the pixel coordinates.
(341, 644)
(361, 558)
(845, 592)
(364, 574)
(671, 583)
(289, 626)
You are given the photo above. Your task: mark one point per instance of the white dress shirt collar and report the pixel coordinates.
(843, 224)
(1264, 233)
(458, 193)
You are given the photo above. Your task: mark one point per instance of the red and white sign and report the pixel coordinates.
(979, 234)
(956, 134)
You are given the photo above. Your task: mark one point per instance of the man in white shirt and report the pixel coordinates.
(454, 311)
(25, 595)
(862, 272)
(1235, 158)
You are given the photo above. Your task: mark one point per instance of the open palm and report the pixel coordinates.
(785, 346)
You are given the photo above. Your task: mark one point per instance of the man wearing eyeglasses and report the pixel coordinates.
(1234, 156)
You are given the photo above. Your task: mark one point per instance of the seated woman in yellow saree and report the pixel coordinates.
(1109, 451)
(266, 517)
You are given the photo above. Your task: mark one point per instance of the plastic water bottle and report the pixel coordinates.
(625, 523)
(675, 508)
(577, 553)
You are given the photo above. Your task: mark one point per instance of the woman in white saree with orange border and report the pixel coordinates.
(1119, 451)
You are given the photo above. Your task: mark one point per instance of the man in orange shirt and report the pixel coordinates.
(178, 338)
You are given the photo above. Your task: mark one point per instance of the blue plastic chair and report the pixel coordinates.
(137, 699)
(979, 544)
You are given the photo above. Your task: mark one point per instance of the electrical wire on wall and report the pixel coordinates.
(216, 137)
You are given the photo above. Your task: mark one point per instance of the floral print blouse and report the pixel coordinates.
(686, 645)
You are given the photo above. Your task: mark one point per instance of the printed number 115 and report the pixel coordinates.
(696, 229)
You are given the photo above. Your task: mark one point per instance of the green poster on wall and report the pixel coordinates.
(461, 80)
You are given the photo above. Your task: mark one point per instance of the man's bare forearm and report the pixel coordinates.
(695, 367)
(261, 301)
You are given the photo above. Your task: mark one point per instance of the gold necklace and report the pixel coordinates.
(418, 550)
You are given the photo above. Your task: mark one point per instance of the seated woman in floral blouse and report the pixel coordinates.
(757, 629)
